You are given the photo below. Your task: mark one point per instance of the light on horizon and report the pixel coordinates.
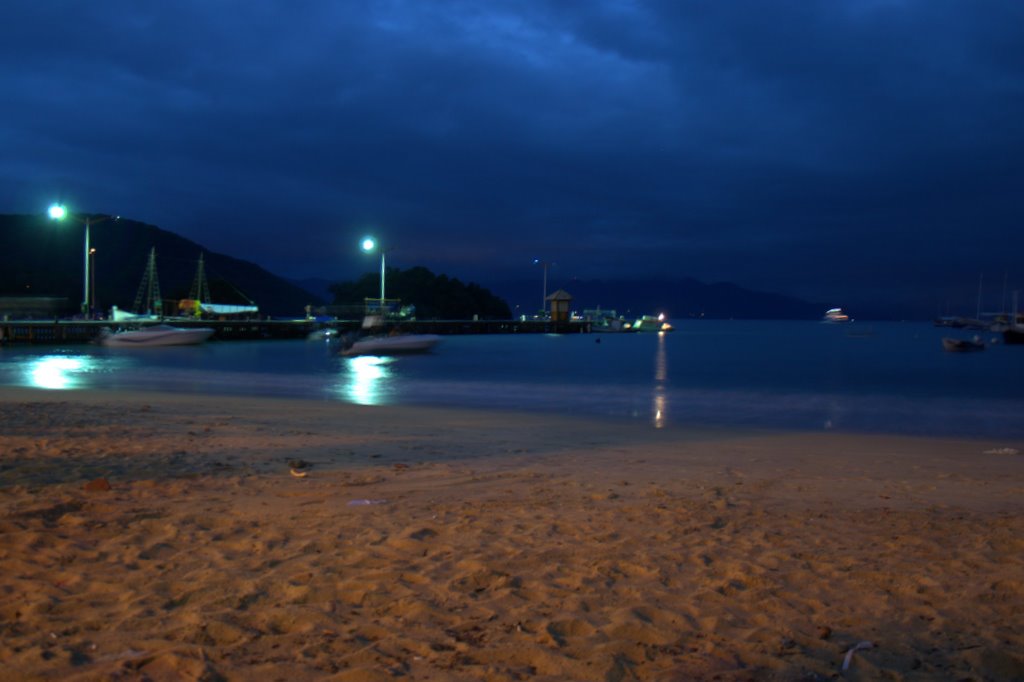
(57, 212)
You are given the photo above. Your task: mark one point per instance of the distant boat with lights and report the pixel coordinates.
(835, 316)
(652, 323)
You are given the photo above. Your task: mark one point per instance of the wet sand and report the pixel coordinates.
(165, 537)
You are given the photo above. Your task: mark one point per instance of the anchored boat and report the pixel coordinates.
(375, 341)
(156, 335)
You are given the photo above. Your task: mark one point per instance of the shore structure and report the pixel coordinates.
(156, 536)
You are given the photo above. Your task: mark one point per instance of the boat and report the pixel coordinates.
(326, 334)
(605, 321)
(156, 335)
(651, 323)
(198, 303)
(960, 323)
(118, 315)
(1013, 334)
(148, 306)
(396, 344)
(962, 345)
(376, 341)
(835, 315)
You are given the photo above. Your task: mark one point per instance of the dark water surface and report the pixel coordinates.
(881, 377)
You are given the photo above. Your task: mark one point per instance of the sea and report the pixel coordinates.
(884, 377)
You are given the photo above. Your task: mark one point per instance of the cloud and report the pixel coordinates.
(777, 144)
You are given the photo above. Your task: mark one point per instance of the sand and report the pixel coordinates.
(164, 537)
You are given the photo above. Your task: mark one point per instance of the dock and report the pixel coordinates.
(87, 331)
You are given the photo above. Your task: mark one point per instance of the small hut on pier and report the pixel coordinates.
(559, 304)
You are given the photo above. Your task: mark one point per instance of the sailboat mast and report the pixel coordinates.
(200, 285)
(149, 289)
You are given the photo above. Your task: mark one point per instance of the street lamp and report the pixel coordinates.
(59, 212)
(544, 264)
(369, 244)
(92, 277)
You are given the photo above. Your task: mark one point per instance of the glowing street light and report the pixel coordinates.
(59, 212)
(369, 244)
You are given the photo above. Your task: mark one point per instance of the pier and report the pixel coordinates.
(86, 331)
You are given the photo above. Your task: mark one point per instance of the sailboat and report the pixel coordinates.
(148, 305)
(198, 302)
(141, 335)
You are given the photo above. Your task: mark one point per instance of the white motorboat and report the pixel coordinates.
(377, 339)
(156, 335)
(395, 344)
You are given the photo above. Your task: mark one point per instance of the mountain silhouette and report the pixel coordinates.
(43, 257)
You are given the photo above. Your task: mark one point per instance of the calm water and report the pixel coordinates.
(882, 377)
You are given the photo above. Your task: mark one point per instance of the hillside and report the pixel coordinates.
(42, 257)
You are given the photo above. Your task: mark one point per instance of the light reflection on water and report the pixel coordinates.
(365, 380)
(780, 375)
(56, 372)
(660, 407)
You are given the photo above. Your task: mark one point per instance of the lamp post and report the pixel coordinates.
(92, 278)
(59, 212)
(369, 244)
(544, 264)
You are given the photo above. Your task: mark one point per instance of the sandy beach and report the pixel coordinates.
(166, 537)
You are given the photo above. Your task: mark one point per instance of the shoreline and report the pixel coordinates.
(470, 544)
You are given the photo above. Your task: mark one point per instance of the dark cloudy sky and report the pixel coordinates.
(839, 150)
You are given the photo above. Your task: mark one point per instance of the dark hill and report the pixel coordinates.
(42, 257)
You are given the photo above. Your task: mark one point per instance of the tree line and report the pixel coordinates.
(437, 297)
